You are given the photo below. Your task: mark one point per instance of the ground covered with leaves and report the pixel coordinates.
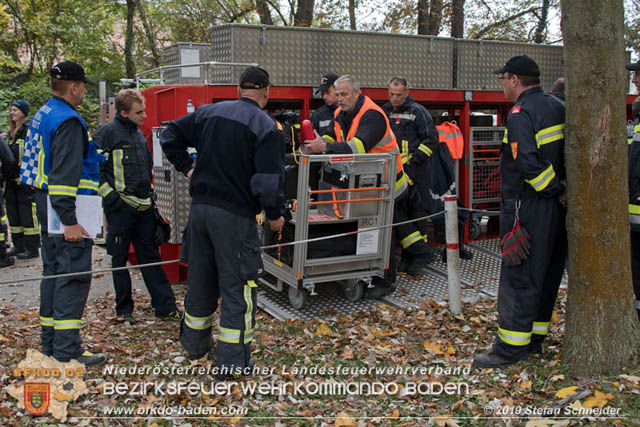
(388, 367)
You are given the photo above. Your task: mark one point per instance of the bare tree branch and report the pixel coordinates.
(489, 27)
(277, 9)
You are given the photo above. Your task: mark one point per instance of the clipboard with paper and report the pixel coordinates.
(88, 214)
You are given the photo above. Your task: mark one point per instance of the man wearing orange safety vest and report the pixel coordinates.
(360, 127)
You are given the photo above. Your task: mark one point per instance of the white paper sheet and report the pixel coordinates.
(88, 214)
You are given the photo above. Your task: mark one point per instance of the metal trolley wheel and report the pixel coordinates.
(353, 289)
(474, 228)
(298, 297)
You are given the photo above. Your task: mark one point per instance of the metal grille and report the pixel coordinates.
(478, 59)
(484, 153)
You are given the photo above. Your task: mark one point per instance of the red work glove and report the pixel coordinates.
(515, 246)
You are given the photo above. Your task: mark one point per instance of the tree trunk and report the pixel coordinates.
(457, 19)
(128, 41)
(602, 331)
(542, 23)
(304, 13)
(429, 17)
(434, 21)
(263, 12)
(423, 13)
(151, 38)
(352, 14)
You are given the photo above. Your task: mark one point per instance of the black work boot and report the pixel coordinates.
(89, 359)
(378, 291)
(28, 254)
(417, 266)
(6, 261)
(247, 372)
(495, 361)
(465, 253)
(535, 347)
(403, 264)
(15, 251)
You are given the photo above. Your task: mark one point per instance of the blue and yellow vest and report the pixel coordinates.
(36, 161)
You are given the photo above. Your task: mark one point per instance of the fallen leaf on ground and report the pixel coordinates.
(566, 392)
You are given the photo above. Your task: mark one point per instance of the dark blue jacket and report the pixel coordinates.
(532, 159)
(240, 165)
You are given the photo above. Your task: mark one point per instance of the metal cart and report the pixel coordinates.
(484, 182)
(355, 193)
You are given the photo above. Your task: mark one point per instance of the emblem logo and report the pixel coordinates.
(514, 149)
(36, 397)
(515, 109)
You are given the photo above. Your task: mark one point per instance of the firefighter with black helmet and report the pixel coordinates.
(532, 215)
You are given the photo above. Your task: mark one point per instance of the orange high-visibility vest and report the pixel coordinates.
(387, 144)
(450, 134)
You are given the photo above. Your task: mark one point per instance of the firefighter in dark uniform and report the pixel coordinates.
(634, 189)
(239, 172)
(360, 126)
(125, 186)
(532, 168)
(61, 161)
(322, 118)
(21, 205)
(418, 139)
(6, 158)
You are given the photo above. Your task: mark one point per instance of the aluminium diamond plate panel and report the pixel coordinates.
(411, 290)
(482, 272)
(172, 56)
(300, 56)
(173, 200)
(328, 304)
(221, 51)
(478, 59)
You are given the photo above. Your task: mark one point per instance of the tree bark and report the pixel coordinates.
(130, 65)
(304, 13)
(602, 332)
(263, 12)
(429, 17)
(151, 38)
(352, 14)
(457, 19)
(542, 23)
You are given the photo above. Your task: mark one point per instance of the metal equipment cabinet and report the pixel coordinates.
(356, 191)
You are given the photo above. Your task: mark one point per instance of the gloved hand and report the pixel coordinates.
(515, 246)
(421, 154)
(414, 197)
(113, 202)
